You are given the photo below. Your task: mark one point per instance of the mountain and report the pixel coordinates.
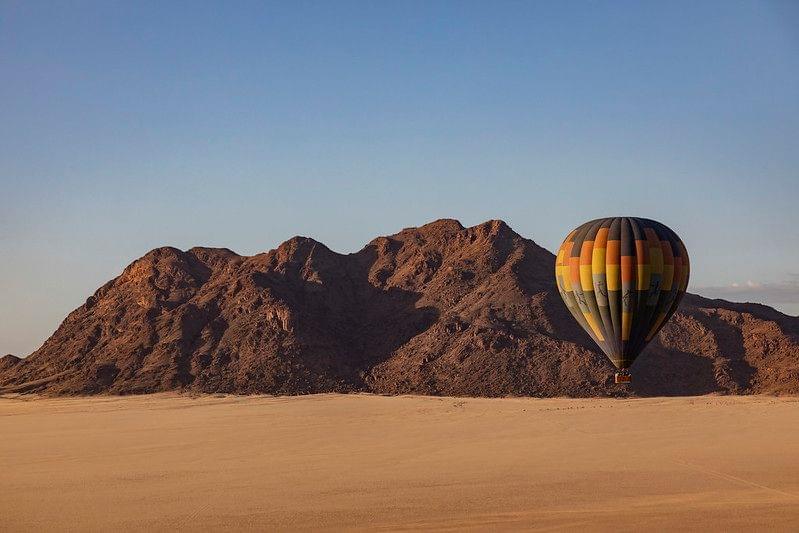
(439, 309)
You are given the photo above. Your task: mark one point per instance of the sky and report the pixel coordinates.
(125, 126)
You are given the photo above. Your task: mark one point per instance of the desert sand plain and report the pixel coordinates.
(336, 462)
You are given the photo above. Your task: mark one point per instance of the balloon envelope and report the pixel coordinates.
(622, 278)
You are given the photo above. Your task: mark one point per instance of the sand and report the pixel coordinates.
(391, 463)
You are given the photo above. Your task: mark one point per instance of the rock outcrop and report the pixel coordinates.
(439, 309)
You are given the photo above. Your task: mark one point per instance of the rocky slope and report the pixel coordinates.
(439, 309)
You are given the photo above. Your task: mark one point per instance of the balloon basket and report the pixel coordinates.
(623, 377)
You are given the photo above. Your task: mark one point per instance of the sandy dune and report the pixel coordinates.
(345, 462)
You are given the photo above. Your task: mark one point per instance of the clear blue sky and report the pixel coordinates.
(129, 125)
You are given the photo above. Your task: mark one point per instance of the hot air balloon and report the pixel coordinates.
(622, 278)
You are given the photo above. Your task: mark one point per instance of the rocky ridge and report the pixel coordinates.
(440, 309)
